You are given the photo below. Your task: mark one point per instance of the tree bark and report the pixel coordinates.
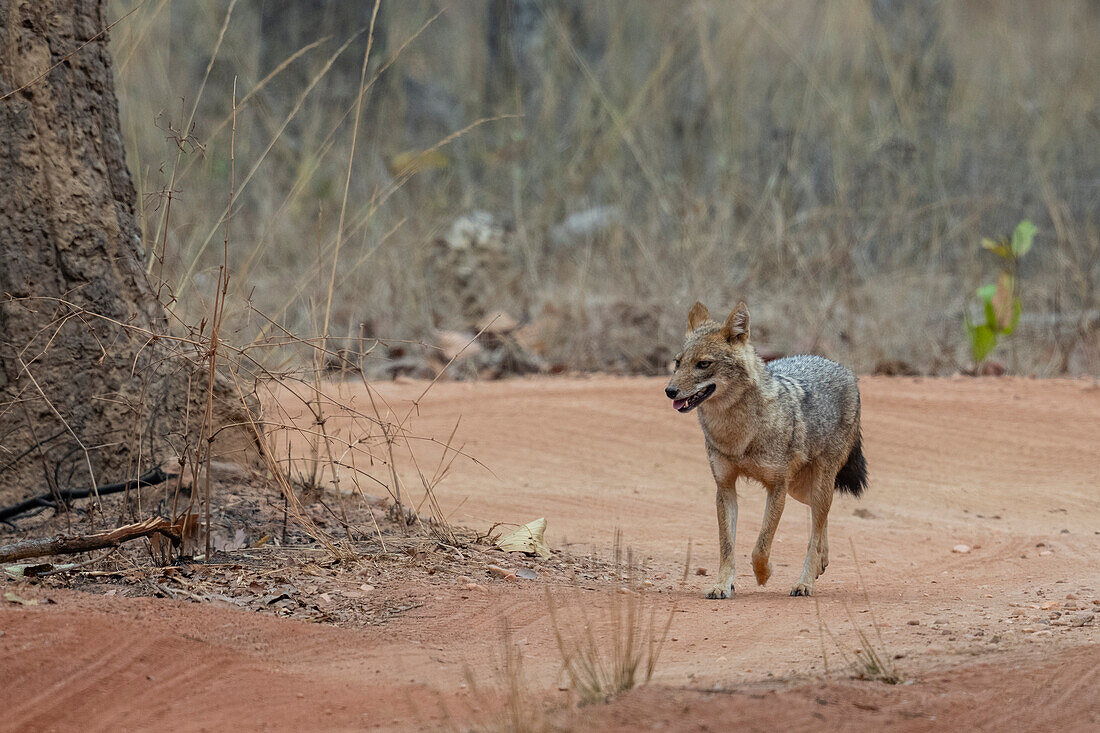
(90, 390)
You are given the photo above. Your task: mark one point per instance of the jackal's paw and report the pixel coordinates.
(803, 589)
(719, 592)
(761, 568)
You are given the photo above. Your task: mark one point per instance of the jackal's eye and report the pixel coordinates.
(703, 364)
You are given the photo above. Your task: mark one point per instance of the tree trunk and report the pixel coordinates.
(88, 392)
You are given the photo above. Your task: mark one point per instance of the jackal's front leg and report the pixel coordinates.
(727, 531)
(725, 477)
(773, 510)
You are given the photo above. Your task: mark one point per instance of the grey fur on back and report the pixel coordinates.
(825, 391)
(827, 396)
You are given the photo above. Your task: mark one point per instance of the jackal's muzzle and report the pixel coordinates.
(693, 400)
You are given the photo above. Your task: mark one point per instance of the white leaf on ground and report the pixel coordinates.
(527, 539)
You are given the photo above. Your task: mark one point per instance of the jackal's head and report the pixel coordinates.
(715, 361)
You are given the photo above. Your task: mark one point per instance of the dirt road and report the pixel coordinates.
(1005, 632)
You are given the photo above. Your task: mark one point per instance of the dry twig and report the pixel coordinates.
(62, 545)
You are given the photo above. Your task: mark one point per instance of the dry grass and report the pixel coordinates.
(509, 702)
(835, 164)
(604, 654)
(870, 660)
(268, 369)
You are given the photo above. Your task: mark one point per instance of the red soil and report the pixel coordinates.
(1009, 467)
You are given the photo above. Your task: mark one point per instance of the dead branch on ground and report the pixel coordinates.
(62, 545)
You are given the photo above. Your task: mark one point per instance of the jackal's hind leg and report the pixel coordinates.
(823, 547)
(817, 552)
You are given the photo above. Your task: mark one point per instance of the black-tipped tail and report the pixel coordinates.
(853, 477)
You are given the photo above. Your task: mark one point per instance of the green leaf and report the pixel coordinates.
(982, 341)
(1022, 238)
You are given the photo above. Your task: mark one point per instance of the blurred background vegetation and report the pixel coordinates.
(593, 168)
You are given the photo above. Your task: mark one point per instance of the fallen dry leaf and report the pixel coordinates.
(527, 539)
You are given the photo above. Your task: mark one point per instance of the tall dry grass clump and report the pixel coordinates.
(836, 164)
(870, 660)
(613, 645)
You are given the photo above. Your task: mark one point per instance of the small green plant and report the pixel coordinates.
(1001, 305)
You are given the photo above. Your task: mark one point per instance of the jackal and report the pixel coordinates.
(791, 424)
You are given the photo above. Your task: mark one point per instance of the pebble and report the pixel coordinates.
(700, 571)
(961, 548)
(913, 622)
(503, 573)
(1083, 619)
(1044, 553)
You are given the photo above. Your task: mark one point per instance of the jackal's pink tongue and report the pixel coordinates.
(677, 404)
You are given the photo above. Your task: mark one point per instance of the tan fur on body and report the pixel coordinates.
(793, 425)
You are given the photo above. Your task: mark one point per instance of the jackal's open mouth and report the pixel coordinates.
(689, 403)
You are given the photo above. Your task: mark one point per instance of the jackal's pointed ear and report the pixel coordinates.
(736, 327)
(697, 316)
